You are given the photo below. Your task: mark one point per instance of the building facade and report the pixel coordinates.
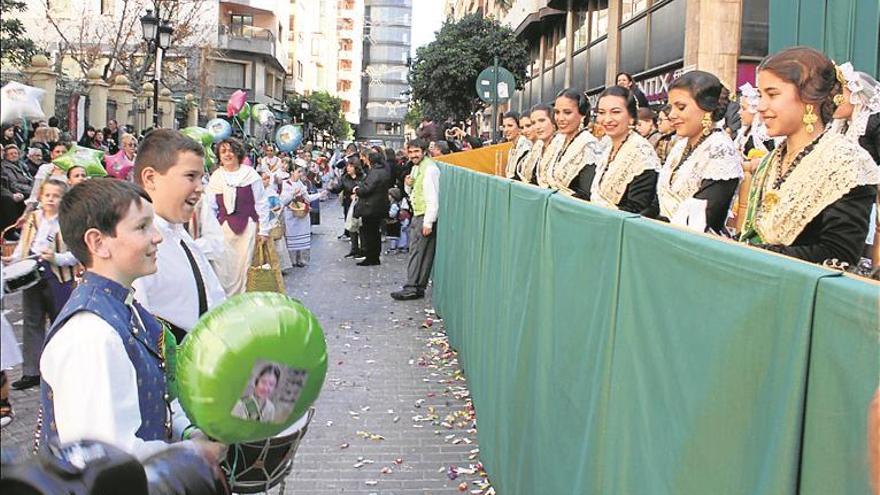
(251, 50)
(585, 43)
(326, 49)
(387, 41)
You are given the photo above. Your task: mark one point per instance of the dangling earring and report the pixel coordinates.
(707, 123)
(838, 99)
(809, 119)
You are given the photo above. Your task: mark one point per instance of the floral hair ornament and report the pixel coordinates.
(864, 96)
(750, 96)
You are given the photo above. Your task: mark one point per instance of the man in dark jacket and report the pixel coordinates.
(372, 206)
(15, 186)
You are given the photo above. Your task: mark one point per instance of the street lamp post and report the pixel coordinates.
(157, 34)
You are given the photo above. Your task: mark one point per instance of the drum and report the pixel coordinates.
(20, 276)
(257, 467)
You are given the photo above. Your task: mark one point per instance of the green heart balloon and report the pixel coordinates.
(210, 158)
(245, 112)
(251, 367)
(80, 156)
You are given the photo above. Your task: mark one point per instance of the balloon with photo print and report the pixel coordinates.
(225, 352)
(219, 129)
(236, 102)
(18, 101)
(80, 156)
(288, 137)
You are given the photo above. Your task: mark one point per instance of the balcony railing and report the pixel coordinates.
(247, 39)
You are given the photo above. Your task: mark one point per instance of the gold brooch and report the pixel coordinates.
(771, 199)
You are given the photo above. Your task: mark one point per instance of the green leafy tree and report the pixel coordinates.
(15, 47)
(324, 113)
(444, 73)
(413, 115)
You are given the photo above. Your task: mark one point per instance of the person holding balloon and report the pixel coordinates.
(237, 199)
(104, 363)
(121, 164)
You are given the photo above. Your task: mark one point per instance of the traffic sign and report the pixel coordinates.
(489, 84)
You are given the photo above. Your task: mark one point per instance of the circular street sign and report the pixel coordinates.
(486, 89)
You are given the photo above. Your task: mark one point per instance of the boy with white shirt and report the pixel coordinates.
(103, 364)
(170, 167)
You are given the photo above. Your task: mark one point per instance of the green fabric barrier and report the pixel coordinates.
(612, 354)
(844, 369)
(573, 348)
(710, 361)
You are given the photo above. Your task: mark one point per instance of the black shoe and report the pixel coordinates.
(351, 255)
(369, 263)
(407, 294)
(343, 236)
(26, 382)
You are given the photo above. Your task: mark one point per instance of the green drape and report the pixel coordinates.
(612, 354)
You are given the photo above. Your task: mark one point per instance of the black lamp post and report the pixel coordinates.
(157, 34)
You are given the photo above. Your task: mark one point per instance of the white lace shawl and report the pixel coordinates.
(519, 149)
(544, 172)
(526, 167)
(714, 159)
(611, 180)
(834, 167)
(584, 149)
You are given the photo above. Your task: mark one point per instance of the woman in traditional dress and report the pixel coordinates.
(626, 175)
(569, 163)
(295, 198)
(521, 144)
(811, 198)
(701, 173)
(543, 128)
(236, 198)
(668, 137)
(858, 117)
(751, 138)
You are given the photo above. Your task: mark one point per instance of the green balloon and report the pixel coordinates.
(210, 158)
(80, 156)
(199, 135)
(245, 112)
(232, 348)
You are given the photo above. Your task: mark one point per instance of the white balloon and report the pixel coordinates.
(18, 101)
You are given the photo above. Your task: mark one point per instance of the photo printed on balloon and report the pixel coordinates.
(271, 392)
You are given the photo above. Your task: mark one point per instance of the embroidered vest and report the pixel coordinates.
(245, 208)
(106, 299)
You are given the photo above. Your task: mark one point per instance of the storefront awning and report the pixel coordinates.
(532, 22)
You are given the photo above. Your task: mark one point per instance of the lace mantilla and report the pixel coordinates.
(526, 167)
(834, 167)
(516, 153)
(583, 150)
(548, 160)
(715, 159)
(634, 157)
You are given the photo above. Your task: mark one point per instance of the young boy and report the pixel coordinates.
(170, 167)
(103, 365)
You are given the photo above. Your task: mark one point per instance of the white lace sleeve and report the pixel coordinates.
(723, 162)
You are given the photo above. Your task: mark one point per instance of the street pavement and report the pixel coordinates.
(394, 416)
